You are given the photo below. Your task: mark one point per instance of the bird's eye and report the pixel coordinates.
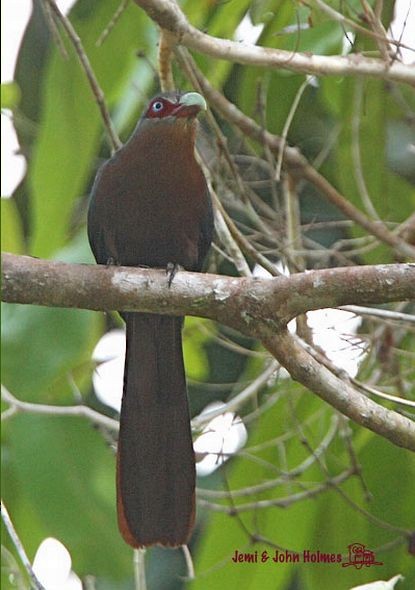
(157, 106)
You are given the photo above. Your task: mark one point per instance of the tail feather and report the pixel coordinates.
(155, 461)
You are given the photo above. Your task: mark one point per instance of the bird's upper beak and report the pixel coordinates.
(189, 105)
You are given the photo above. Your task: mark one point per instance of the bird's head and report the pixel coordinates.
(168, 125)
(170, 106)
(172, 115)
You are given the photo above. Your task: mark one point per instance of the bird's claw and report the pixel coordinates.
(171, 270)
(111, 262)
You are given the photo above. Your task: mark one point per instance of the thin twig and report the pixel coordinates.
(293, 224)
(376, 229)
(19, 548)
(242, 192)
(324, 469)
(262, 107)
(343, 20)
(139, 569)
(355, 148)
(113, 138)
(346, 433)
(285, 477)
(283, 502)
(231, 239)
(385, 314)
(54, 31)
(296, 163)
(239, 400)
(287, 126)
(381, 37)
(189, 563)
(121, 8)
(80, 411)
(229, 344)
(241, 241)
(376, 392)
(166, 44)
(361, 386)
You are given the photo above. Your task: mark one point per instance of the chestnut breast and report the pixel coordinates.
(151, 201)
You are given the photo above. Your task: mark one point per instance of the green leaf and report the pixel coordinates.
(11, 227)
(291, 528)
(195, 357)
(340, 524)
(69, 135)
(64, 472)
(42, 346)
(365, 114)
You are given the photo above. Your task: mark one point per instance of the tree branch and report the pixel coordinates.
(338, 392)
(78, 411)
(237, 302)
(258, 308)
(35, 583)
(168, 15)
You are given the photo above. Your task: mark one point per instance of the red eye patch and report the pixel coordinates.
(160, 108)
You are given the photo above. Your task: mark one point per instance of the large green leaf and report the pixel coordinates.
(11, 227)
(290, 528)
(391, 195)
(43, 347)
(63, 473)
(71, 127)
(340, 525)
(194, 341)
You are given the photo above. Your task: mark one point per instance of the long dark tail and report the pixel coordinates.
(155, 462)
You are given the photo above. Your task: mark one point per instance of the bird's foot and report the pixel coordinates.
(171, 270)
(112, 262)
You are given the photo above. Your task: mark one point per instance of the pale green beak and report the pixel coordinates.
(193, 99)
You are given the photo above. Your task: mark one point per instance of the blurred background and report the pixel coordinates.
(278, 468)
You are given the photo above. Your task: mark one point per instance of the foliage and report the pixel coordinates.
(59, 471)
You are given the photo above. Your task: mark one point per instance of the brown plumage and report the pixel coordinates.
(150, 206)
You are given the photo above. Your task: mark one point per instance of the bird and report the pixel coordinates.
(150, 206)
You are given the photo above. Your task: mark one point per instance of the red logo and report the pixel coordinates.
(359, 556)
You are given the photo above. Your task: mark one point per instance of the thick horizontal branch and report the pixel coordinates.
(168, 15)
(258, 307)
(238, 302)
